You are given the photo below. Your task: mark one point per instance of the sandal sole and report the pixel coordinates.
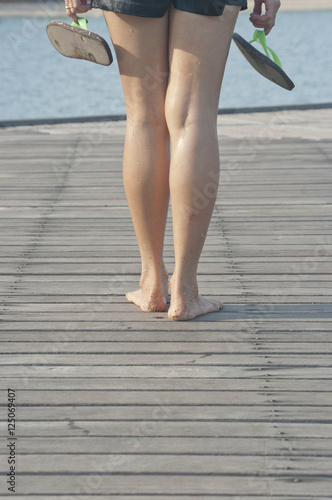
(263, 64)
(78, 43)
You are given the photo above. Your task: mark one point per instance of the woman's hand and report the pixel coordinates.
(74, 7)
(266, 21)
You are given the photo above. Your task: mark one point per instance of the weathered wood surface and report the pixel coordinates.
(116, 403)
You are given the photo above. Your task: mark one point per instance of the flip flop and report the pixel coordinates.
(78, 42)
(272, 70)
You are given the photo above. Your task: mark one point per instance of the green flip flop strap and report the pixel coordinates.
(82, 23)
(259, 36)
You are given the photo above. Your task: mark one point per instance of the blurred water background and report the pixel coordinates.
(37, 82)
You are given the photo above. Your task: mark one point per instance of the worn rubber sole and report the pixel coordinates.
(78, 43)
(261, 63)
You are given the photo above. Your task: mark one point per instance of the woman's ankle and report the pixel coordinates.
(154, 276)
(184, 286)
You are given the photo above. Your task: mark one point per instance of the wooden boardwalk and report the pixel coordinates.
(113, 403)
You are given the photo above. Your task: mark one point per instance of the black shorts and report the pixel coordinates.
(158, 8)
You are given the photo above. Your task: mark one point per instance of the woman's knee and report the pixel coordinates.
(182, 114)
(146, 115)
(145, 107)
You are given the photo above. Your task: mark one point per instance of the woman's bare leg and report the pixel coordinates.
(141, 47)
(199, 48)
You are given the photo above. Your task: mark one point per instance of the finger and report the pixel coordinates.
(81, 7)
(258, 7)
(272, 8)
(266, 18)
(262, 26)
(265, 22)
(70, 11)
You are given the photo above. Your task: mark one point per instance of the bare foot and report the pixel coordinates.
(151, 296)
(183, 308)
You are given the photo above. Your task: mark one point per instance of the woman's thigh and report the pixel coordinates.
(198, 51)
(141, 46)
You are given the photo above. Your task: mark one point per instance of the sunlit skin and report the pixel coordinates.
(171, 70)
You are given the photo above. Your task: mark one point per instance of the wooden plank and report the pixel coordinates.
(167, 464)
(117, 483)
(222, 446)
(265, 430)
(165, 412)
(217, 360)
(187, 398)
(271, 386)
(261, 370)
(164, 496)
(191, 347)
(135, 323)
